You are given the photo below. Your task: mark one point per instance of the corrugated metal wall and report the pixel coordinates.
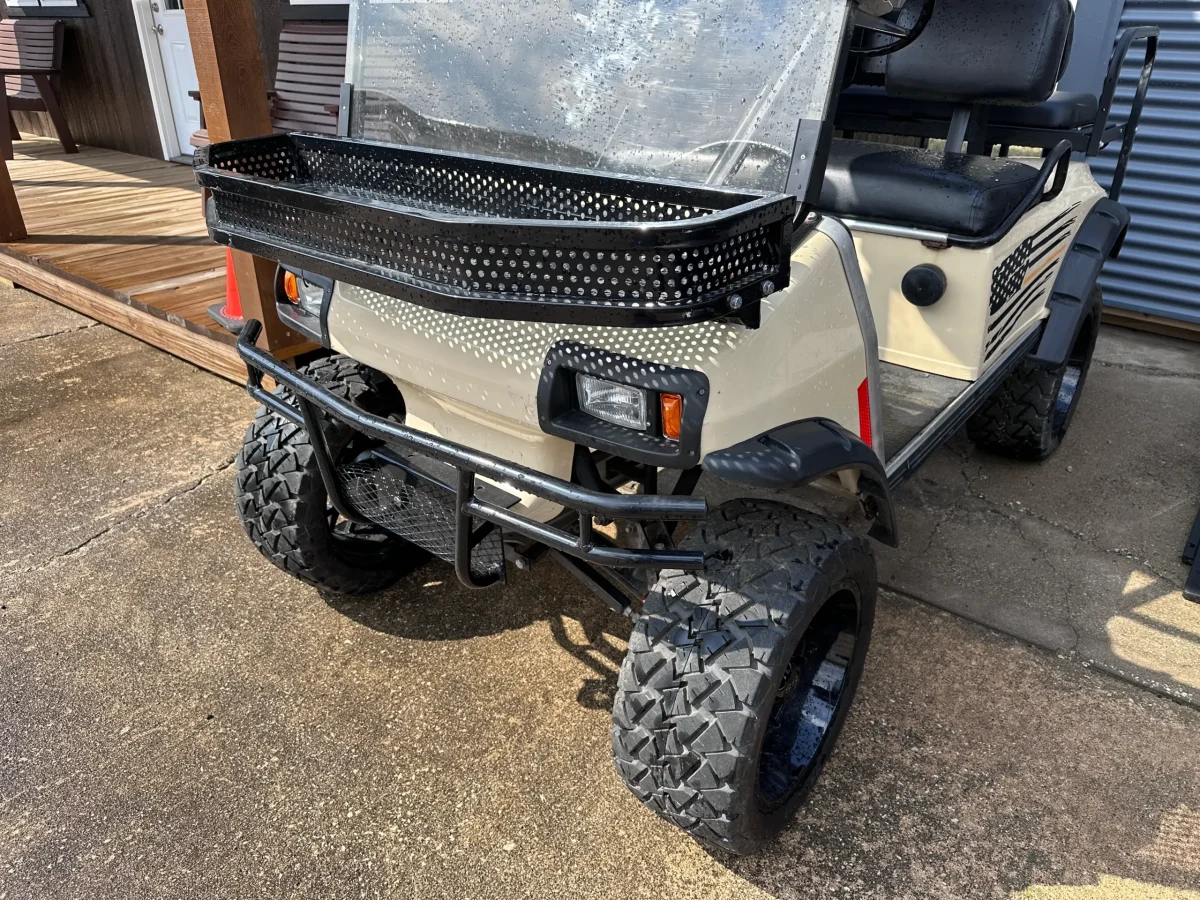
(1159, 269)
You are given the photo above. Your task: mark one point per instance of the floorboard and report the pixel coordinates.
(911, 400)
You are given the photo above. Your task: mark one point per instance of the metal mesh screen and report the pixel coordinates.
(376, 173)
(607, 277)
(418, 511)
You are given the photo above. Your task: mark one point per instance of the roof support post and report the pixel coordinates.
(230, 69)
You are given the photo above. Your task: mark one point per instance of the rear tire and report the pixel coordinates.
(282, 503)
(1029, 414)
(738, 678)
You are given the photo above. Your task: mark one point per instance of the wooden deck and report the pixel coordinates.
(121, 238)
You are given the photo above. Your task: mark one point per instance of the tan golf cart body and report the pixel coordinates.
(561, 247)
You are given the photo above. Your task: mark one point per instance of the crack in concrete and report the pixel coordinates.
(1048, 558)
(1149, 371)
(137, 512)
(42, 337)
(1019, 515)
(1090, 540)
(933, 533)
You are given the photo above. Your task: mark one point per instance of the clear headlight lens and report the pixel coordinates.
(310, 296)
(619, 404)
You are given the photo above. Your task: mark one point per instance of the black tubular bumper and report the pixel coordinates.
(310, 397)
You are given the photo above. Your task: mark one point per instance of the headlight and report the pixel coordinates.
(619, 404)
(304, 293)
(311, 296)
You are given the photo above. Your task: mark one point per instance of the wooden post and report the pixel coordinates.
(232, 90)
(12, 223)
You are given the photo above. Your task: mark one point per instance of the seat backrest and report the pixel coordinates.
(29, 44)
(308, 79)
(1010, 52)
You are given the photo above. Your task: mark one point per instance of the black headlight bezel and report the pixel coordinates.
(559, 413)
(313, 327)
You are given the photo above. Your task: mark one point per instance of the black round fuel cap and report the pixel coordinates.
(924, 285)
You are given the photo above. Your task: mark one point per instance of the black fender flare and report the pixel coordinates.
(1099, 239)
(795, 455)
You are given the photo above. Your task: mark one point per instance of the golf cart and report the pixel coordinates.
(568, 256)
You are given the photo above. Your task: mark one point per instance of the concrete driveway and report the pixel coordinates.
(179, 719)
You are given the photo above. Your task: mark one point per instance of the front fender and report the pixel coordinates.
(798, 454)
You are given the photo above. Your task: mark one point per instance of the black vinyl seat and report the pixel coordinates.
(1064, 109)
(945, 192)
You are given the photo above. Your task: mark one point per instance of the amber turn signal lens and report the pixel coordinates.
(672, 415)
(290, 289)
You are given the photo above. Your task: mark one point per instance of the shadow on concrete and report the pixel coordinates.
(432, 605)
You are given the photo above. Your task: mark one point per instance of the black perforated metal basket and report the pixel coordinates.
(497, 239)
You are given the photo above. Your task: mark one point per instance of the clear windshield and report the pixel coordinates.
(706, 91)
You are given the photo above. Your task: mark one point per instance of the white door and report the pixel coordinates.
(170, 27)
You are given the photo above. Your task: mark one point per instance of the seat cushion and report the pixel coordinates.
(1064, 109)
(953, 193)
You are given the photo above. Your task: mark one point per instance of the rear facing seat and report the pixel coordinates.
(1011, 55)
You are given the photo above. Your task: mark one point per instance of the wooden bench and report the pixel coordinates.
(31, 51)
(308, 79)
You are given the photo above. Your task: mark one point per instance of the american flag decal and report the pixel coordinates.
(1026, 276)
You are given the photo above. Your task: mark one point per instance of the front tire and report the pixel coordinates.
(738, 678)
(1029, 414)
(282, 503)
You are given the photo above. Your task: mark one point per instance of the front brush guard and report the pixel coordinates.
(309, 397)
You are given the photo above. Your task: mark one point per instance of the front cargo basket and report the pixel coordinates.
(496, 239)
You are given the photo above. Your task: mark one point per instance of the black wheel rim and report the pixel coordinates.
(810, 701)
(1067, 397)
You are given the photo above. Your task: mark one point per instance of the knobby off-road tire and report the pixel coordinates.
(735, 672)
(282, 502)
(1029, 414)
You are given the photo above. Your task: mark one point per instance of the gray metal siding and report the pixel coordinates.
(1158, 271)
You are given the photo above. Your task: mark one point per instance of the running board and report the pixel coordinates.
(902, 466)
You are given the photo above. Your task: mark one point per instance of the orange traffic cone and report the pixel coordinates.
(229, 313)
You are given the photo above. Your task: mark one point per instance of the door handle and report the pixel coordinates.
(157, 29)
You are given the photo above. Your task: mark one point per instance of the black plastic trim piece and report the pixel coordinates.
(469, 463)
(1097, 239)
(315, 328)
(559, 413)
(800, 453)
(268, 185)
(299, 321)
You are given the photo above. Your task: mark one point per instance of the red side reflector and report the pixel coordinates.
(864, 413)
(672, 416)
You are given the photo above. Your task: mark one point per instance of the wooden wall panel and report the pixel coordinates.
(103, 88)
